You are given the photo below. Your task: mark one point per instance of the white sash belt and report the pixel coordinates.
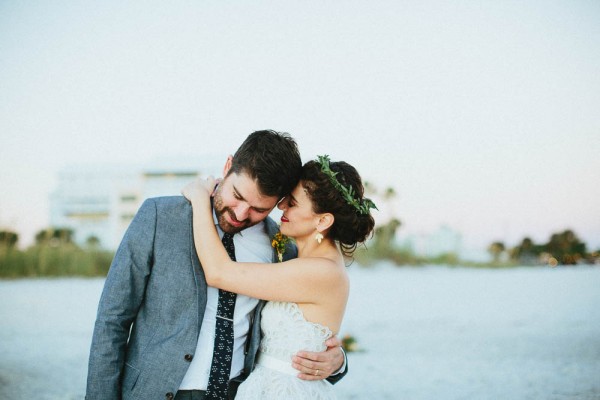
(277, 364)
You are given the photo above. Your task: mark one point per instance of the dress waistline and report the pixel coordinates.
(277, 364)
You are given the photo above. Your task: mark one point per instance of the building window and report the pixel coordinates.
(128, 198)
(127, 217)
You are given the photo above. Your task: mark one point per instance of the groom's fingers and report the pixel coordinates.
(306, 377)
(312, 366)
(333, 341)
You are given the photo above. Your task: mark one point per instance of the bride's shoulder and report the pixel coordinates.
(327, 265)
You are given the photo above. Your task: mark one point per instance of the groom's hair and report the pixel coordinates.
(271, 159)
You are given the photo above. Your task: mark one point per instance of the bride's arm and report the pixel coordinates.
(296, 280)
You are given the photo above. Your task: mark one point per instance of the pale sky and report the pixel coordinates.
(483, 115)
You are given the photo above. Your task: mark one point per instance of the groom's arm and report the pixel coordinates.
(330, 364)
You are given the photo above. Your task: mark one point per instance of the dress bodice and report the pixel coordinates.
(286, 331)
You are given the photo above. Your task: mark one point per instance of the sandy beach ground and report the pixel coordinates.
(425, 333)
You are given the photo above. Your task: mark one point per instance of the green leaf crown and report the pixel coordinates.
(362, 206)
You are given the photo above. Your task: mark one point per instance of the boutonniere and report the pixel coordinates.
(279, 241)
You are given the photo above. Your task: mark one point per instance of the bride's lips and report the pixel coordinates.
(284, 219)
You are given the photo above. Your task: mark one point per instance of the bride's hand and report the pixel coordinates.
(200, 190)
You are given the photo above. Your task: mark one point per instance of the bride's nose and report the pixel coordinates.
(283, 203)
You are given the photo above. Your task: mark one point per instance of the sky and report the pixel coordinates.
(482, 115)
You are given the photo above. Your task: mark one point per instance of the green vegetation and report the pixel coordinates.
(8, 239)
(54, 254)
(563, 248)
(349, 344)
(383, 247)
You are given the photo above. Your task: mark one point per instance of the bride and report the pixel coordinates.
(327, 216)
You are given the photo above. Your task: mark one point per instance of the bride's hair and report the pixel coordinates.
(350, 227)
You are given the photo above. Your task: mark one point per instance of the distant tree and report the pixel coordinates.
(566, 247)
(383, 244)
(390, 193)
(385, 234)
(527, 244)
(496, 249)
(8, 239)
(54, 236)
(526, 252)
(370, 188)
(92, 241)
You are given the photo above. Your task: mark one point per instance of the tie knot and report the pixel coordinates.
(227, 236)
(228, 244)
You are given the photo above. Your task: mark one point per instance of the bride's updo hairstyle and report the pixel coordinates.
(351, 226)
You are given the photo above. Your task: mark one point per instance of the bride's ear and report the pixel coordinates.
(325, 222)
(227, 165)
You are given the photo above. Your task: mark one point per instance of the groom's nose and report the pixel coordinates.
(242, 211)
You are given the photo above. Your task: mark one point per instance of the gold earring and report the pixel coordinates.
(319, 237)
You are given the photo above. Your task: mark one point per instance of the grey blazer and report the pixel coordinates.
(151, 309)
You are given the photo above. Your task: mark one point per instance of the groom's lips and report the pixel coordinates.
(233, 221)
(284, 219)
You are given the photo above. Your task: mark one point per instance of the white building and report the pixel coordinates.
(101, 201)
(444, 240)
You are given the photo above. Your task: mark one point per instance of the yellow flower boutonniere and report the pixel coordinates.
(279, 241)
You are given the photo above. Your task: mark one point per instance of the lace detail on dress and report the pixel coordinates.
(285, 332)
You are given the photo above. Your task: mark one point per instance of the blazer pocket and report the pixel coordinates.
(130, 377)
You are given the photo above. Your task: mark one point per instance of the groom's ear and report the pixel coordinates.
(227, 166)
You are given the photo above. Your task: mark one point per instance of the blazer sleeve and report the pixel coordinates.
(121, 299)
(335, 378)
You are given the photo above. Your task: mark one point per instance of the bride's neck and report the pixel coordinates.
(311, 248)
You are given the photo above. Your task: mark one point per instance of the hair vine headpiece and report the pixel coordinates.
(362, 206)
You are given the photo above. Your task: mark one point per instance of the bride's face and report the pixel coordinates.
(298, 219)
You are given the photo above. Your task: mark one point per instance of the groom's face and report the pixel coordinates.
(239, 204)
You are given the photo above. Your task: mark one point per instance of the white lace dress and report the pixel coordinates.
(285, 332)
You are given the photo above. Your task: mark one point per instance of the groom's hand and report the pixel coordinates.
(316, 366)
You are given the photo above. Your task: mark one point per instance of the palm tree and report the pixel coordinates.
(496, 249)
(8, 239)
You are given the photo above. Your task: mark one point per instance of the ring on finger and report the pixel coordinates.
(317, 373)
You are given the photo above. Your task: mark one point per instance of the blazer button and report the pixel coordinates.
(188, 357)
(169, 396)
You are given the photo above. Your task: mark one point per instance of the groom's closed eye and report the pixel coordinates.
(239, 197)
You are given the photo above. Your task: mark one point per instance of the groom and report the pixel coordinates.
(155, 330)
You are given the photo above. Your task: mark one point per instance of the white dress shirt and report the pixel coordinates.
(251, 245)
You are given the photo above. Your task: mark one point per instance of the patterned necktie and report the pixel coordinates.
(220, 368)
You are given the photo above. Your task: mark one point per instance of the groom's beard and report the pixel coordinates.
(221, 211)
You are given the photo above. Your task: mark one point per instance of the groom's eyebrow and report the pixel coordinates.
(239, 196)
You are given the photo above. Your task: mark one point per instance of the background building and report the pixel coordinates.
(100, 201)
(444, 240)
